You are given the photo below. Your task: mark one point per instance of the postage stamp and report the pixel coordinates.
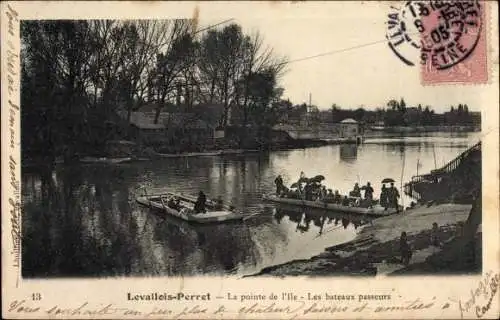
(447, 39)
(253, 160)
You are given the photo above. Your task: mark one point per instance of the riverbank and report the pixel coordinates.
(148, 154)
(375, 251)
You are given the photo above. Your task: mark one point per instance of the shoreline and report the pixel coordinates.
(424, 129)
(375, 250)
(110, 160)
(279, 146)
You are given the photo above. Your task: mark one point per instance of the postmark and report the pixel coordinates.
(445, 38)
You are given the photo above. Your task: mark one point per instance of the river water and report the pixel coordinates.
(83, 220)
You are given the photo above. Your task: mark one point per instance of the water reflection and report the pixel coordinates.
(319, 218)
(348, 152)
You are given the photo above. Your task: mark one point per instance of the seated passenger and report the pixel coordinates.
(174, 203)
(284, 192)
(345, 201)
(329, 197)
(219, 204)
(293, 194)
(171, 203)
(356, 192)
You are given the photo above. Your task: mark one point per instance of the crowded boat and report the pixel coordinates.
(310, 190)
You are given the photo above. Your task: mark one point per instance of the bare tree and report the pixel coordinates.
(228, 60)
(144, 41)
(171, 61)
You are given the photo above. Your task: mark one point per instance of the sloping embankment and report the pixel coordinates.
(376, 249)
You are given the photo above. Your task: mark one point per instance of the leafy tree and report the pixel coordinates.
(359, 114)
(55, 59)
(402, 105)
(336, 113)
(393, 104)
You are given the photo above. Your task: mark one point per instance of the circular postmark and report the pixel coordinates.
(436, 33)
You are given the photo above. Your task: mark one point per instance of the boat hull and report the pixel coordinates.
(104, 160)
(376, 211)
(211, 216)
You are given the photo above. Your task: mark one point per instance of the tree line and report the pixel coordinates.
(77, 74)
(395, 113)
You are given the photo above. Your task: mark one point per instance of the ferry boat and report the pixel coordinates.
(105, 160)
(375, 211)
(185, 208)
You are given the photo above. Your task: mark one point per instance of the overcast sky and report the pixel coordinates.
(368, 76)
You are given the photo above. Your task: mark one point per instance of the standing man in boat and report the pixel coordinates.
(356, 192)
(383, 197)
(337, 197)
(322, 193)
(393, 195)
(279, 184)
(200, 204)
(369, 194)
(302, 179)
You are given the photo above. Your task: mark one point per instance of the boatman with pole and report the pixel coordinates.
(199, 206)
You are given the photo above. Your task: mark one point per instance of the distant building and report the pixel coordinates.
(180, 127)
(349, 128)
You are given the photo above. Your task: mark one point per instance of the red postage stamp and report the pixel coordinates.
(447, 39)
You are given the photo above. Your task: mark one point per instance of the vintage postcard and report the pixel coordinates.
(250, 160)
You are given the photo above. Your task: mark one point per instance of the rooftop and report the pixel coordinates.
(145, 120)
(348, 120)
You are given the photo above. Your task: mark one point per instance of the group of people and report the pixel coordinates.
(314, 191)
(368, 197)
(174, 203)
(389, 197)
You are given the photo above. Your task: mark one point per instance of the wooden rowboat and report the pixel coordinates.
(185, 211)
(375, 211)
(105, 160)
